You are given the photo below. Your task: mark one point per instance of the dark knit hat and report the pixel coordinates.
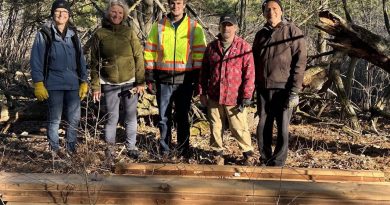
(228, 18)
(59, 4)
(276, 1)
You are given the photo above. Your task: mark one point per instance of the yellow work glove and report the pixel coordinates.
(40, 91)
(83, 90)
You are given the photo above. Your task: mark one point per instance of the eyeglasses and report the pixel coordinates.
(57, 13)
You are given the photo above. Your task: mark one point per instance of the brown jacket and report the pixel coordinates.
(280, 57)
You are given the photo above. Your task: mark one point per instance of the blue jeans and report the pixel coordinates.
(69, 101)
(181, 95)
(113, 99)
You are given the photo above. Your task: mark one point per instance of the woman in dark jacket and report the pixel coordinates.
(117, 71)
(59, 74)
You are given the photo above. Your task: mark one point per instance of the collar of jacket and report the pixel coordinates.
(108, 25)
(279, 25)
(52, 26)
(219, 37)
(219, 42)
(170, 17)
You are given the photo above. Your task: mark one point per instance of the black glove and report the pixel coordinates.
(151, 87)
(293, 100)
(244, 103)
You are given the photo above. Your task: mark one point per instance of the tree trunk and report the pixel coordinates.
(148, 18)
(350, 76)
(321, 43)
(334, 70)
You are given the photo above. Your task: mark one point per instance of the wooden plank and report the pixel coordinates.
(253, 173)
(164, 198)
(187, 186)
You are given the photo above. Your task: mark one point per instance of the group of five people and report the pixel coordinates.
(176, 62)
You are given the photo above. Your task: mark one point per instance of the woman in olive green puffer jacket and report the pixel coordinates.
(117, 71)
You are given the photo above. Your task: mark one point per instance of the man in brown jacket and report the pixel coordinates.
(280, 56)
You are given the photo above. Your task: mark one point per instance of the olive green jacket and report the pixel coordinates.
(116, 56)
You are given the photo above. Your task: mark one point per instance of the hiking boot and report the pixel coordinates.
(165, 156)
(133, 153)
(249, 159)
(219, 160)
(110, 157)
(218, 157)
(57, 155)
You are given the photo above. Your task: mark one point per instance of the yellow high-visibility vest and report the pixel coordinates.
(179, 50)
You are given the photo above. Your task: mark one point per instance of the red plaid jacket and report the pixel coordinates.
(228, 78)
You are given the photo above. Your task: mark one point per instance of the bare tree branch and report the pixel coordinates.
(347, 15)
(386, 16)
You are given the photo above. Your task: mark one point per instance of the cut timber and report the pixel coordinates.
(252, 173)
(16, 188)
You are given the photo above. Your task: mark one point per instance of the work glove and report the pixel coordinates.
(83, 91)
(293, 100)
(40, 91)
(151, 87)
(196, 89)
(244, 103)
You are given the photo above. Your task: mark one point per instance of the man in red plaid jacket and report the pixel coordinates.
(226, 87)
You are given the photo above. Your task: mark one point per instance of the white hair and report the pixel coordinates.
(120, 3)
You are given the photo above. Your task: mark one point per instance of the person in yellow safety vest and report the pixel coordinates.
(173, 58)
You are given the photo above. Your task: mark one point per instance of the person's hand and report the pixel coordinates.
(293, 100)
(203, 100)
(151, 87)
(140, 89)
(196, 89)
(40, 91)
(244, 103)
(83, 91)
(96, 96)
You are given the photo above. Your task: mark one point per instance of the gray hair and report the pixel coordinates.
(120, 3)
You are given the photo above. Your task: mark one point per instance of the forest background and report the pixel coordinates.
(343, 115)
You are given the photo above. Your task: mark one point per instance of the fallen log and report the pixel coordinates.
(356, 40)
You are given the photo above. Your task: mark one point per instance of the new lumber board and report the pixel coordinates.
(184, 190)
(253, 173)
(184, 200)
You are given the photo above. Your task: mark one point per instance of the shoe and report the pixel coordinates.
(133, 153)
(110, 157)
(186, 154)
(249, 160)
(219, 160)
(54, 154)
(57, 155)
(165, 156)
(266, 163)
(71, 153)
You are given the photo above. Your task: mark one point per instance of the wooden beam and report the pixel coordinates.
(253, 173)
(77, 189)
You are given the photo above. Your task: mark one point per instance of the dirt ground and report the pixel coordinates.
(312, 145)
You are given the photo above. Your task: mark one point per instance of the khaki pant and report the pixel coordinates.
(237, 123)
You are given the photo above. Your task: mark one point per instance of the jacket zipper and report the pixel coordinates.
(174, 58)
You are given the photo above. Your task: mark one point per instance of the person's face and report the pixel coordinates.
(273, 13)
(61, 16)
(115, 14)
(227, 30)
(177, 7)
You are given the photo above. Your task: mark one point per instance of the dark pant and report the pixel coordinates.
(181, 96)
(69, 101)
(114, 95)
(271, 105)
